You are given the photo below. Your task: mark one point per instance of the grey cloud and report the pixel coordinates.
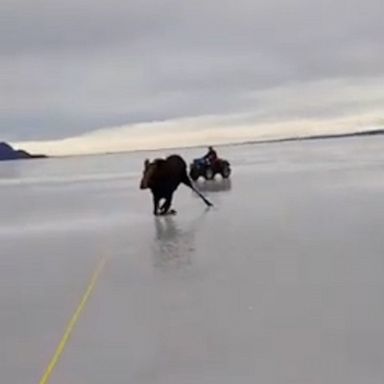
(68, 67)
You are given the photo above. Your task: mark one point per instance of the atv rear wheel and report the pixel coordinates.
(226, 171)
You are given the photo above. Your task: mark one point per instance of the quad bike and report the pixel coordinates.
(208, 170)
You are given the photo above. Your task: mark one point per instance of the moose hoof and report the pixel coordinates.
(171, 212)
(167, 213)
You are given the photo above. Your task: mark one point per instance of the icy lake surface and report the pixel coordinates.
(281, 282)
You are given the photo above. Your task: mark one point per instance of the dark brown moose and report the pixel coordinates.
(162, 177)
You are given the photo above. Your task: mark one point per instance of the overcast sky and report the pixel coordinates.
(121, 74)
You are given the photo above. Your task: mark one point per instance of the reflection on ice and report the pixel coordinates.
(219, 185)
(9, 170)
(174, 245)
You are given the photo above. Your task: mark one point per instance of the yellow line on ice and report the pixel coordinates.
(72, 323)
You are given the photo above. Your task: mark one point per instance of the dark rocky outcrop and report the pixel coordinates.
(9, 153)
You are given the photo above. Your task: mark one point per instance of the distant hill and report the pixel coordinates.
(8, 153)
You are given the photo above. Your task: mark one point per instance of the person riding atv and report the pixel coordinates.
(211, 156)
(209, 165)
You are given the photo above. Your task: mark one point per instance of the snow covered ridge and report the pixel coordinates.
(8, 153)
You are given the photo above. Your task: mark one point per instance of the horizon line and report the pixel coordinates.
(368, 132)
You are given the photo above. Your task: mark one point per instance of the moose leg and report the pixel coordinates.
(166, 205)
(156, 201)
(187, 181)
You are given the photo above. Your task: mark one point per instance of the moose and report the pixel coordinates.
(162, 177)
